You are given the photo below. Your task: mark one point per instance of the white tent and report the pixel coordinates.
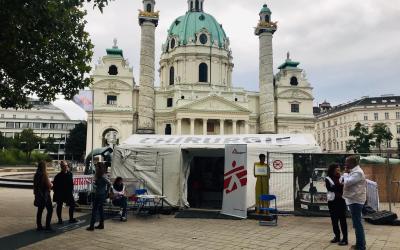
(163, 162)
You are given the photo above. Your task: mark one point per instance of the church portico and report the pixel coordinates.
(211, 126)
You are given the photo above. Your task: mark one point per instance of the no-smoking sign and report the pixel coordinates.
(278, 164)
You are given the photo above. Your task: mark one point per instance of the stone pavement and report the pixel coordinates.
(17, 221)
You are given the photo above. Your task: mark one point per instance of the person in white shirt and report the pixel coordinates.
(355, 195)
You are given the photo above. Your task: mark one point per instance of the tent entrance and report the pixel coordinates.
(205, 184)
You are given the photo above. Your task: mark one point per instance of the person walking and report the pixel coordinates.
(63, 187)
(337, 205)
(119, 197)
(41, 190)
(355, 194)
(101, 188)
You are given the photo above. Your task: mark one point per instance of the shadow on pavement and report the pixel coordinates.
(29, 237)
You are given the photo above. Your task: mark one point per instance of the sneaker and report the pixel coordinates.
(90, 228)
(100, 226)
(343, 243)
(73, 220)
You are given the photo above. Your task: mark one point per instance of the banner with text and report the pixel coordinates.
(235, 181)
(82, 183)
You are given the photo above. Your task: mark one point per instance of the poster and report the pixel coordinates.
(82, 183)
(310, 171)
(235, 181)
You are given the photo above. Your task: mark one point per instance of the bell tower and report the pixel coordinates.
(265, 30)
(148, 21)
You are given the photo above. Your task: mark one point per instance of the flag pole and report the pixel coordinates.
(92, 127)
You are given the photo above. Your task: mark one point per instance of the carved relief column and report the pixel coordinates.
(205, 126)
(234, 129)
(192, 126)
(221, 126)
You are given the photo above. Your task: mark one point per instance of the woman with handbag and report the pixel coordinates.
(337, 205)
(41, 190)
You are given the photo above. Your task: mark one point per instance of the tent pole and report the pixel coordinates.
(162, 182)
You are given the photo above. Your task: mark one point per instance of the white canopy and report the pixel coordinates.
(162, 159)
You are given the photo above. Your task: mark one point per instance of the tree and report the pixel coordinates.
(44, 49)
(363, 140)
(28, 142)
(382, 135)
(50, 145)
(76, 142)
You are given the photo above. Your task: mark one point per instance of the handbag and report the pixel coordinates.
(330, 195)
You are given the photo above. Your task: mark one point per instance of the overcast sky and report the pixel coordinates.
(348, 48)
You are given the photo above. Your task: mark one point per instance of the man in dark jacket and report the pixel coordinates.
(63, 187)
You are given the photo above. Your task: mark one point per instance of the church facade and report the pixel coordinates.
(196, 95)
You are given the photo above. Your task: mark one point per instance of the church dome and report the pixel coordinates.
(186, 29)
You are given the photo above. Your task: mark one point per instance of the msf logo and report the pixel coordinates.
(235, 177)
(235, 152)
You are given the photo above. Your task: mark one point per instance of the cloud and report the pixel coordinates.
(348, 48)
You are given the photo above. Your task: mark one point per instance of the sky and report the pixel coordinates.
(348, 49)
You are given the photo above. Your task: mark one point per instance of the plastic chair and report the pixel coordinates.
(274, 210)
(141, 202)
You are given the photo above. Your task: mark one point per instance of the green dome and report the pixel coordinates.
(186, 27)
(265, 9)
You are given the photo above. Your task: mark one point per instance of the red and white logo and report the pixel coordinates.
(278, 164)
(233, 178)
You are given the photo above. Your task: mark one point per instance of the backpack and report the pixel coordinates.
(330, 195)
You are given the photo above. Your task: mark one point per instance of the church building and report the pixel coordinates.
(196, 95)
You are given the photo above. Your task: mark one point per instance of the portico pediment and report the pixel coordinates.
(214, 103)
(295, 94)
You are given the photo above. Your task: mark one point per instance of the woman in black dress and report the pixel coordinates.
(337, 205)
(41, 190)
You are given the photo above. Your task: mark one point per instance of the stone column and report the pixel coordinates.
(266, 77)
(205, 126)
(192, 126)
(246, 127)
(179, 127)
(221, 126)
(234, 128)
(148, 25)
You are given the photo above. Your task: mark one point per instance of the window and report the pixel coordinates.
(295, 108)
(2, 115)
(293, 81)
(376, 116)
(329, 124)
(398, 115)
(323, 124)
(168, 129)
(113, 70)
(386, 116)
(36, 125)
(172, 43)
(203, 39)
(169, 102)
(203, 72)
(365, 117)
(197, 5)
(341, 145)
(171, 76)
(111, 100)
(267, 18)
(148, 7)
(337, 133)
(9, 125)
(398, 129)
(323, 136)
(183, 97)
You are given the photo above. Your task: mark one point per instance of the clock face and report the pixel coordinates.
(172, 43)
(203, 39)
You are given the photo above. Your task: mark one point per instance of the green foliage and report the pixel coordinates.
(382, 135)
(44, 49)
(28, 141)
(76, 142)
(362, 142)
(50, 145)
(17, 157)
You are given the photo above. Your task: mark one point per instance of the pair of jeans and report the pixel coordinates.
(337, 210)
(356, 216)
(98, 206)
(49, 207)
(71, 205)
(122, 202)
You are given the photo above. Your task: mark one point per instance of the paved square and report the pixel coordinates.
(17, 221)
